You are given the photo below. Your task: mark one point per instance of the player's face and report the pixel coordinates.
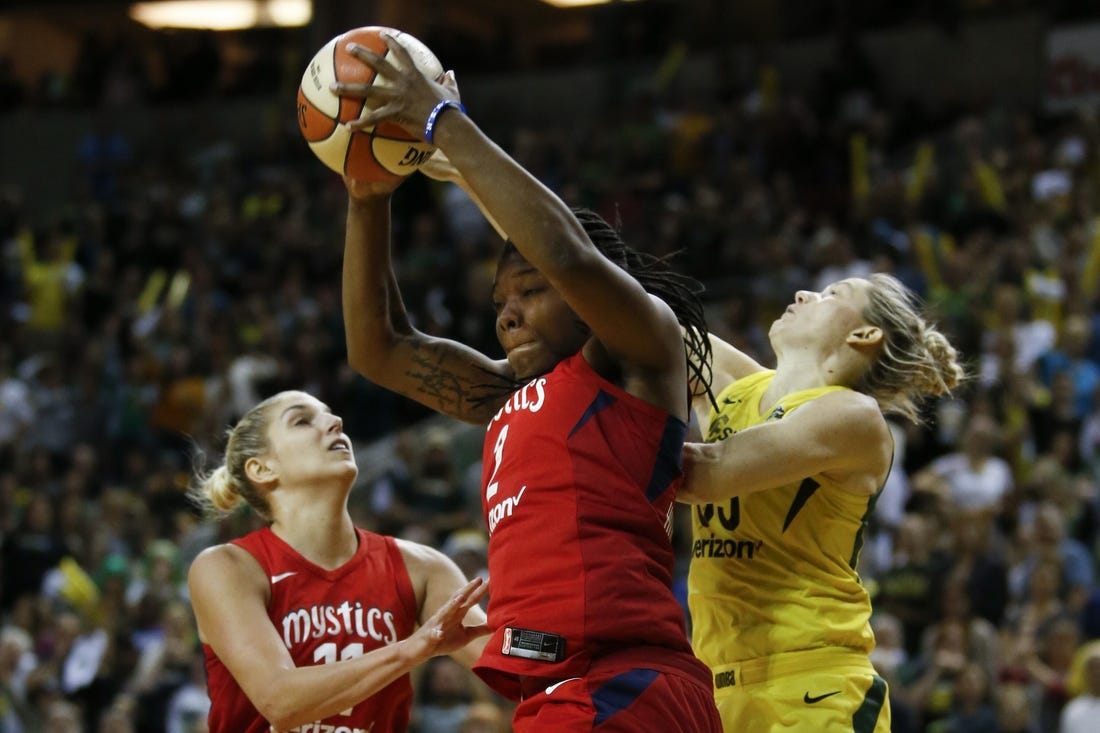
(307, 442)
(534, 324)
(826, 316)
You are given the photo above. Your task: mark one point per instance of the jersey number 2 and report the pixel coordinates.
(498, 452)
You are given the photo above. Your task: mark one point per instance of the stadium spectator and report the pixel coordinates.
(1081, 713)
(975, 478)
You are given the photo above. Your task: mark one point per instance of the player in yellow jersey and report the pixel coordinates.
(793, 461)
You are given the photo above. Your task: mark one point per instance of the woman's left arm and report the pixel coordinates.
(841, 435)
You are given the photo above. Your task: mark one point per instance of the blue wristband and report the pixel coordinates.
(429, 126)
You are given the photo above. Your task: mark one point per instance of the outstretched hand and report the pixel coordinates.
(407, 97)
(444, 632)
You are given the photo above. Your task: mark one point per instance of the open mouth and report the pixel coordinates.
(341, 444)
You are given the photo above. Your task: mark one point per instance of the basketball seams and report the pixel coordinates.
(315, 125)
(390, 152)
(347, 68)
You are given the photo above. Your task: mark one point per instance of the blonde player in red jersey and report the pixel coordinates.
(312, 621)
(794, 460)
(585, 421)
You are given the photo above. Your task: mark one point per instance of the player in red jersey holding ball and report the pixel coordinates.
(311, 621)
(586, 419)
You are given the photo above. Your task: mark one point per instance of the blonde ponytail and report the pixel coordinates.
(945, 372)
(225, 488)
(916, 360)
(217, 493)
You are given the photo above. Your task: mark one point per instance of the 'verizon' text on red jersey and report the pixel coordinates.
(324, 616)
(578, 483)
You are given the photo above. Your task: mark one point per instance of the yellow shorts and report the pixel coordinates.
(818, 691)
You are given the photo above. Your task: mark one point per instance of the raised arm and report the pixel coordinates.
(229, 596)
(728, 364)
(631, 325)
(383, 346)
(439, 168)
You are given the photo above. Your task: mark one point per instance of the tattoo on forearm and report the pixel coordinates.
(435, 380)
(453, 389)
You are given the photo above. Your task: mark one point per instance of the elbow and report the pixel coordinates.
(283, 722)
(367, 353)
(576, 256)
(569, 252)
(277, 720)
(278, 708)
(372, 342)
(359, 358)
(282, 703)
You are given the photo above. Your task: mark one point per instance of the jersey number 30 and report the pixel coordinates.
(728, 520)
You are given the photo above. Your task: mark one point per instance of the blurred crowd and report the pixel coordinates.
(181, 284)
(124, 63)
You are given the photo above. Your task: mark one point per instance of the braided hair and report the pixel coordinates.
(681, 292)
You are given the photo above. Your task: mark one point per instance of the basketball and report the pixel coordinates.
(384, 152)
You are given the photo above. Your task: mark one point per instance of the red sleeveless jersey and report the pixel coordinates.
(579, 479)
(324, 616)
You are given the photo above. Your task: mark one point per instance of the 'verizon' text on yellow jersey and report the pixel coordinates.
(774, 571)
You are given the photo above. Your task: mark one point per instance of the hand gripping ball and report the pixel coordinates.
(384, 152)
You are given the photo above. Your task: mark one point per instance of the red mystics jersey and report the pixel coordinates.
(324, 616)
(579, 480)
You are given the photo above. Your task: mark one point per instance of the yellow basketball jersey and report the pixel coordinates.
(774, 571)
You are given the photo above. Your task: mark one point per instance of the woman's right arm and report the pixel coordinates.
(841, 436)
(382, 344)
(229, 594)
(730, 363)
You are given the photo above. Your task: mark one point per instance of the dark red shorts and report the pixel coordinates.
(618, 701)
